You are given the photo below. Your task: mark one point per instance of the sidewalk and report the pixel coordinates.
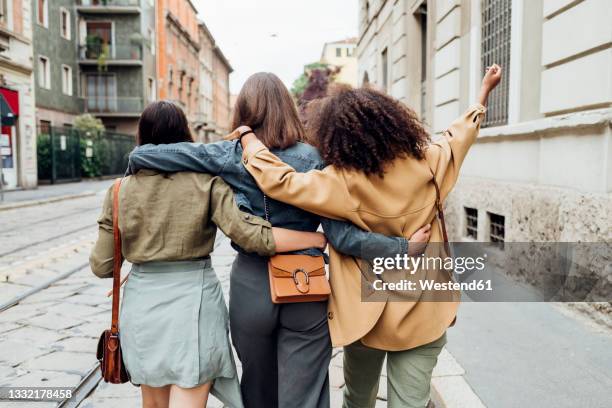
(53, 192)
(497, 355)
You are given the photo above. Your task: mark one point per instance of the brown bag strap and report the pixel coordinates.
(440, 211)
(117, 259)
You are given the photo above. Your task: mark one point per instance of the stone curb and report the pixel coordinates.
(449, 388)
(32, 203)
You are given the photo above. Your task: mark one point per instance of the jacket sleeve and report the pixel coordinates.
(352, 240)
(102, 254)
(252, 233)
(447, 154)
(198, 157)
(321, 192)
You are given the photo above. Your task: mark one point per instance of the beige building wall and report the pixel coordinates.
(548, 169)
(221, 93)
(204, 126)
(341, 54)
(16, 75)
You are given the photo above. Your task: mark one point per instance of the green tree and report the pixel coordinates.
(300, 84)
(94, 148)
(88, 123)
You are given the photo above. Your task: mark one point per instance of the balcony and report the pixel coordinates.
(113, 106)
(105, 54)
(108, 6)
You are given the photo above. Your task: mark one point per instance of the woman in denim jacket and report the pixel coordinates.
(284, 349)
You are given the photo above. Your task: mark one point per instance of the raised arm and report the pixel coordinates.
(321, 192)
(447, 154)
(198, 157)
(252, 233)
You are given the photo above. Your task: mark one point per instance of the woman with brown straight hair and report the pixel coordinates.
(285, 349)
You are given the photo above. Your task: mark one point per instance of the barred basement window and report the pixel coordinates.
(471, 222)
(495, 49)
(497, 229)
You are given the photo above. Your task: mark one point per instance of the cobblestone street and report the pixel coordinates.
(52, 310)
(49, 337)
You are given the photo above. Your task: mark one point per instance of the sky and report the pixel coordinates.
(275, 35)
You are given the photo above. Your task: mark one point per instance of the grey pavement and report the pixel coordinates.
(533, 354)
(54, 190)
(498, 354)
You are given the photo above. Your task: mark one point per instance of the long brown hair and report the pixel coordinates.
(265, 105)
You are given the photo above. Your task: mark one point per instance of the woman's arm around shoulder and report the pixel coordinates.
(202, 158)
(323, 192)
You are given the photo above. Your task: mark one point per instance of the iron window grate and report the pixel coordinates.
(471, 222)
(497, 229)
(495, 49)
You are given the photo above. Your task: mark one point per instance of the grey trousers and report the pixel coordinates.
(408, 374)
(285, 349)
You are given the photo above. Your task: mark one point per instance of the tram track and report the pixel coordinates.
(38, 242)
(90, 381)
(83, 389)
(11, 251)
(25, 226)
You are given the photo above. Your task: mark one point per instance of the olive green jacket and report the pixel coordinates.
(174, 217)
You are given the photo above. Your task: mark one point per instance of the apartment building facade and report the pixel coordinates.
(204, 126)
(221, 93)
(541, 169)
(178, 62)
(116, 56)
(17, 136)
(55, 56)
(341, 54)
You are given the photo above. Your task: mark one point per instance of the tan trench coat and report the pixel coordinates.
(397, 205)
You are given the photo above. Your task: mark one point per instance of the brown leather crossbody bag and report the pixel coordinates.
(109, 346)
(297, 278)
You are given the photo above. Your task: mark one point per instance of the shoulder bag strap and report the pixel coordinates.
(440, 211)
(116, 258)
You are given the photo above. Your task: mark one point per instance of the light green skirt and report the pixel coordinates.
(174, 328)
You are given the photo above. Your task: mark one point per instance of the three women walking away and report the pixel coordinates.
(284, 349)
(370, 185)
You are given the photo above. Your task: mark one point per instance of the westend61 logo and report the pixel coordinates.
(413, 264)
(486, 272)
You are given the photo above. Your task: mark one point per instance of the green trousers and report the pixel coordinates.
(408, 375)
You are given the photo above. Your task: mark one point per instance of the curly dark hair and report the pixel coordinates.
(364, 129)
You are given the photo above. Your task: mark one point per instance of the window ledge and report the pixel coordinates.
(585, 119)
(9, 33)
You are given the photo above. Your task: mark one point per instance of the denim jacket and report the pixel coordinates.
(224, 159)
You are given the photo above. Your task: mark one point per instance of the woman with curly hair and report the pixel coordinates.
(382, 174)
